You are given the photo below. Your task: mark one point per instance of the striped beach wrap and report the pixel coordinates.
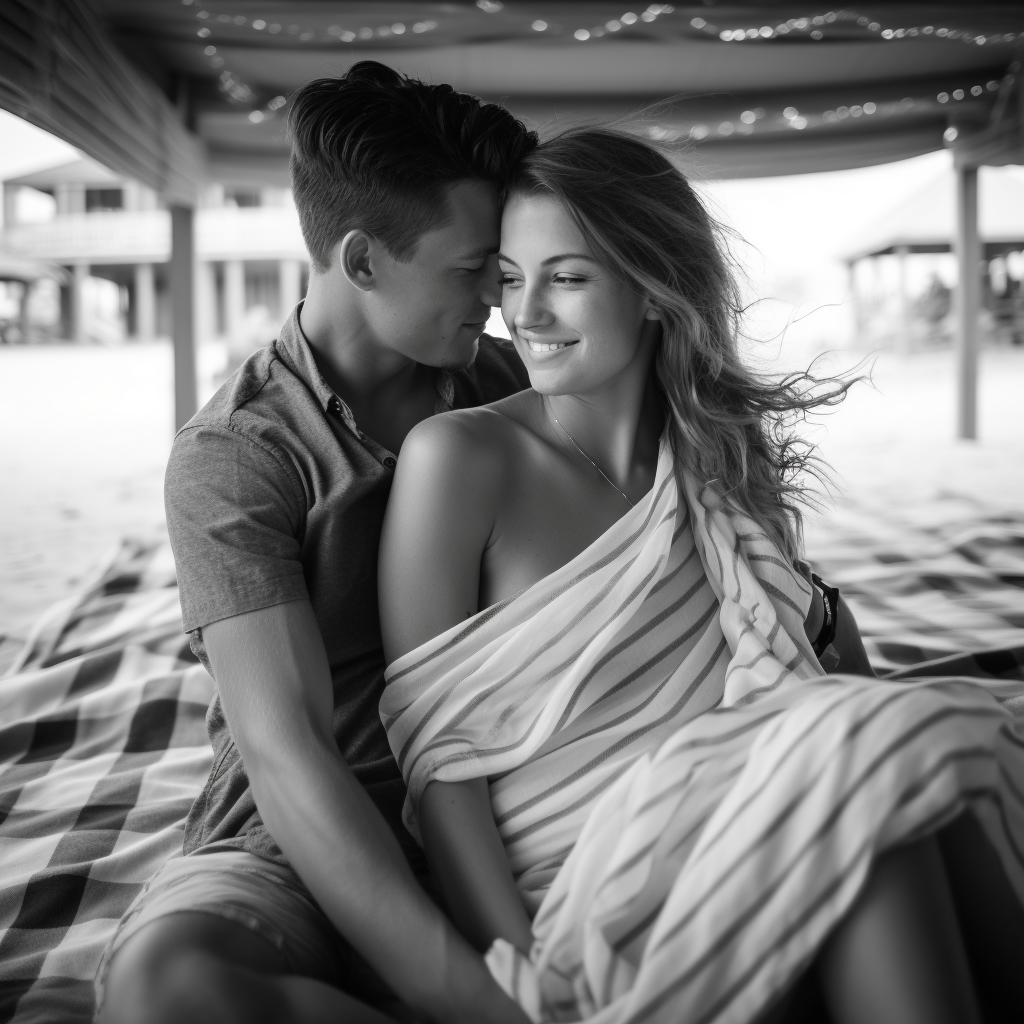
(688, 804)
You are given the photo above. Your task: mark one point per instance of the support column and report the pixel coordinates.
(11, 205)
(968, 301)
(206, 301)
(182, 287)
(289, 275)
(23, 310)
(77, 325)
(234, 297)
(145, 302)
(855, 299)
(903, 342)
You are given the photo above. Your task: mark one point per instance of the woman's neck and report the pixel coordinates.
(617, 426)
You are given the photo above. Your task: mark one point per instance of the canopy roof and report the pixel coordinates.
(927, 221)
(81, 171)
(746, 89)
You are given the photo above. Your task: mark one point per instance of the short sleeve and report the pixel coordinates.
(235, 513)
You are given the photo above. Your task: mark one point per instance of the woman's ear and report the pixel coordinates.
(651, 314)
(354, 258)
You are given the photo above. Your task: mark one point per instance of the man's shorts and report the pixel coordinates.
(259, 895)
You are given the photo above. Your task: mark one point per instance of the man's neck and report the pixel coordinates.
(352, 361)
(387, 392)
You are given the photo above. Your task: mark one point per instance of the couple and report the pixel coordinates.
(607, 777)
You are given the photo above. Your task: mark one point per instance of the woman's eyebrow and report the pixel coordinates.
(568, 256)
(553, 259)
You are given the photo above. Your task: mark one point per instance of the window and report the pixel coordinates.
(103, 199)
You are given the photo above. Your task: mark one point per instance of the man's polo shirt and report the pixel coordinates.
(274, 494)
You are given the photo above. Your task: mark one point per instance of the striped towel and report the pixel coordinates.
(688, 804)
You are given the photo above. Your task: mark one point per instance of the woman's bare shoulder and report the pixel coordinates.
(480, 438)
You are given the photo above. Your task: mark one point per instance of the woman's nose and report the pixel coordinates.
(532, 312)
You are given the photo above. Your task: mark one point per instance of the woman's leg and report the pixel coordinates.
(898, 956)
(991, 917)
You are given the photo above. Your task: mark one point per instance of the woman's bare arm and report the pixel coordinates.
(440, 518)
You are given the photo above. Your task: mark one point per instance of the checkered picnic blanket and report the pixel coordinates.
(103, 742)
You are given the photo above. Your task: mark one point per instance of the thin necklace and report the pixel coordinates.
(610, 482)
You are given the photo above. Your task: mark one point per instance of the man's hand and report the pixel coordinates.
(275, 685)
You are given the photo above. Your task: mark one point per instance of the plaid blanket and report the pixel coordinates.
(103, 742)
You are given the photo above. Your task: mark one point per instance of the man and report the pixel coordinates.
(302, 898)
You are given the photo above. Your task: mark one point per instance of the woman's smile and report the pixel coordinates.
(538, 347)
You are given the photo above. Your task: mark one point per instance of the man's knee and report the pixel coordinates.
(193, 968)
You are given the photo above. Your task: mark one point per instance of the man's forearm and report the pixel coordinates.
(346, 854)
(275, 685)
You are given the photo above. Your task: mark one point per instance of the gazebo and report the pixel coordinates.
(173, 93)
(925, 224)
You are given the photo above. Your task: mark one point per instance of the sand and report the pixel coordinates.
(86, 432)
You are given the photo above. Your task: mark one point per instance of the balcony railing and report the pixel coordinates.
(118, 236)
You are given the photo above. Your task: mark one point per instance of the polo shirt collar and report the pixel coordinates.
(294, 349)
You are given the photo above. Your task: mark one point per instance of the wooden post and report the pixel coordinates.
(78, 328)
(855, 298)
(234, 298)
(145, 302)
(968, 301)
(903, 343)
(182, 288)
(289, 286)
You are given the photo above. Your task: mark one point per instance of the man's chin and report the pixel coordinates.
(463, 357)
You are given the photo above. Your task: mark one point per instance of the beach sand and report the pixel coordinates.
(86, 432)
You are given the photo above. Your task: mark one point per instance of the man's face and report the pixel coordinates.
(433, 308)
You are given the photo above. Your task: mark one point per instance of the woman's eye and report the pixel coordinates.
(569, 279)
(505, 279)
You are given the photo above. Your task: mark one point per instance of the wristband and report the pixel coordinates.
(830, 601)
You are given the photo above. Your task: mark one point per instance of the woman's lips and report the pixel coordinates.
(549, 346)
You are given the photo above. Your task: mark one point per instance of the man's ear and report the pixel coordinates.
(355, 252)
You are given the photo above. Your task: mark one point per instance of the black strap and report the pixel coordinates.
(827, 632)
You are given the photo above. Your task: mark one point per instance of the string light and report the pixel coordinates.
(815, 27)
(791, 118)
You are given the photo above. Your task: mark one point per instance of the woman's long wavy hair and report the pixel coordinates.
(728, 425)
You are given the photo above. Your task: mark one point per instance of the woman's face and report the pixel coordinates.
(575, 325)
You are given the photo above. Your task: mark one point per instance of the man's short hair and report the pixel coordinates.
(377, 150)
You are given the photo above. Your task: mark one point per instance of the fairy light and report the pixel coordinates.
(815, 28)
(792, 118)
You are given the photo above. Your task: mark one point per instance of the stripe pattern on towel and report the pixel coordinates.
(693, 876)
(555, 693)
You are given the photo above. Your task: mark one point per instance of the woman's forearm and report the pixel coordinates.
(468, 860)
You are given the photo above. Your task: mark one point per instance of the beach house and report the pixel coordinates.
(113, 235)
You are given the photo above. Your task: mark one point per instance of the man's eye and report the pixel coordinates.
(472, 270)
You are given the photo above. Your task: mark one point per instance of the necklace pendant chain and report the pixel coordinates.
(607, 479)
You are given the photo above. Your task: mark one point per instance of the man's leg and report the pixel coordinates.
(194, 968)
(223, 935)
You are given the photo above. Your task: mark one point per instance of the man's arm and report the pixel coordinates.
(275, 686)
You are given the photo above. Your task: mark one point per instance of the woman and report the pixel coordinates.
(634, 783)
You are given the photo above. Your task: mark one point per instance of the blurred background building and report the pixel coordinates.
(111, 236)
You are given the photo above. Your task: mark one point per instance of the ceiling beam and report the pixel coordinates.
(59, 71)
